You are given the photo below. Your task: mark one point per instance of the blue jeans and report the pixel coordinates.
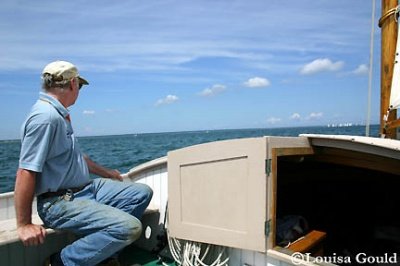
(105, 214)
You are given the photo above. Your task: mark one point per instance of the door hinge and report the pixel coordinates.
(267, 227)
(268, 166)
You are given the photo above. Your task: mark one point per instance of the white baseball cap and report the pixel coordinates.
(62, 70)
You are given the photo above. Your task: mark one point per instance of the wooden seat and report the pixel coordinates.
(310, 243)
(8, 227)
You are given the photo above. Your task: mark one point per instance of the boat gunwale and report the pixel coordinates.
(6, 195)
(391, 144)
(135, 172)
(382, 147)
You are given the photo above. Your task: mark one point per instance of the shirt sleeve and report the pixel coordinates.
(35, 146)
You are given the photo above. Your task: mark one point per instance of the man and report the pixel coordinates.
(105, 213)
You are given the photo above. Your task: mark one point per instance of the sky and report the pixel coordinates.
(175, 65)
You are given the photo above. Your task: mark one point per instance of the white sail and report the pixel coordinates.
(395, 90)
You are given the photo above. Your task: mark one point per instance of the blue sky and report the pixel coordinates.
(174, 65)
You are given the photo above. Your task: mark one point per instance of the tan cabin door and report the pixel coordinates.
(217, 193)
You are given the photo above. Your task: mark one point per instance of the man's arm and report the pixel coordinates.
(30, 234)
(99, 170)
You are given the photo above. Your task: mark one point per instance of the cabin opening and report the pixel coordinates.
(353, 199)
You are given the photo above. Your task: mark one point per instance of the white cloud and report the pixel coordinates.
(167, 100)
(88, 112)
(321, 65)
(194, 46)
(315, 115)
(273, 120)
(215, 89)
(128, 46)
(361, 70)
(295, 116)
(257, 82)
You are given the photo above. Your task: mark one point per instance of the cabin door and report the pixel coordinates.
(218, 193)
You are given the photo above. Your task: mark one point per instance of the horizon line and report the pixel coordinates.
(201, 130)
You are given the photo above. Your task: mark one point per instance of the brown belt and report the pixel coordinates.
(60, 192)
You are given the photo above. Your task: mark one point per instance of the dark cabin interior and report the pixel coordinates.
(353, 197)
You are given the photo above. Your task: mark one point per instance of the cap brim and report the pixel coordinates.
(83, 81)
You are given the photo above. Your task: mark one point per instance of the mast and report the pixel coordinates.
(388, 44)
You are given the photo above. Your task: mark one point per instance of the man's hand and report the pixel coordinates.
(102, 171)
(114, 174)
(31, 234)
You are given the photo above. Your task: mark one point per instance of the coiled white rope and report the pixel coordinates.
(189, 253)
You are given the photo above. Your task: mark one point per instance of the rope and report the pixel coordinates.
(371, 61)
(393, 11)
(188, 253)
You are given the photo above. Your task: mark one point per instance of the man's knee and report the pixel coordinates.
(135, 230)
(129, 230)
(149, 192)
(146, 192)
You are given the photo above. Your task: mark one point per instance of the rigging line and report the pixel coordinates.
(393, 11)
(371, 61)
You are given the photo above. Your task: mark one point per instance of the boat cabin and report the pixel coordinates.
(338, 195)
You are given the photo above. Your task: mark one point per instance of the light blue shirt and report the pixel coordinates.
(49, 147)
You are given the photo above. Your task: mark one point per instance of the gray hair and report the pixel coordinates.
(51, 82)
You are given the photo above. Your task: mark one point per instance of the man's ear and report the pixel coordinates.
(73, 83)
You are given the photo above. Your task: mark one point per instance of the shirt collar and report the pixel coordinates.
(55, 103)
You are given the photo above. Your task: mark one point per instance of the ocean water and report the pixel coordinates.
(123, 152)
